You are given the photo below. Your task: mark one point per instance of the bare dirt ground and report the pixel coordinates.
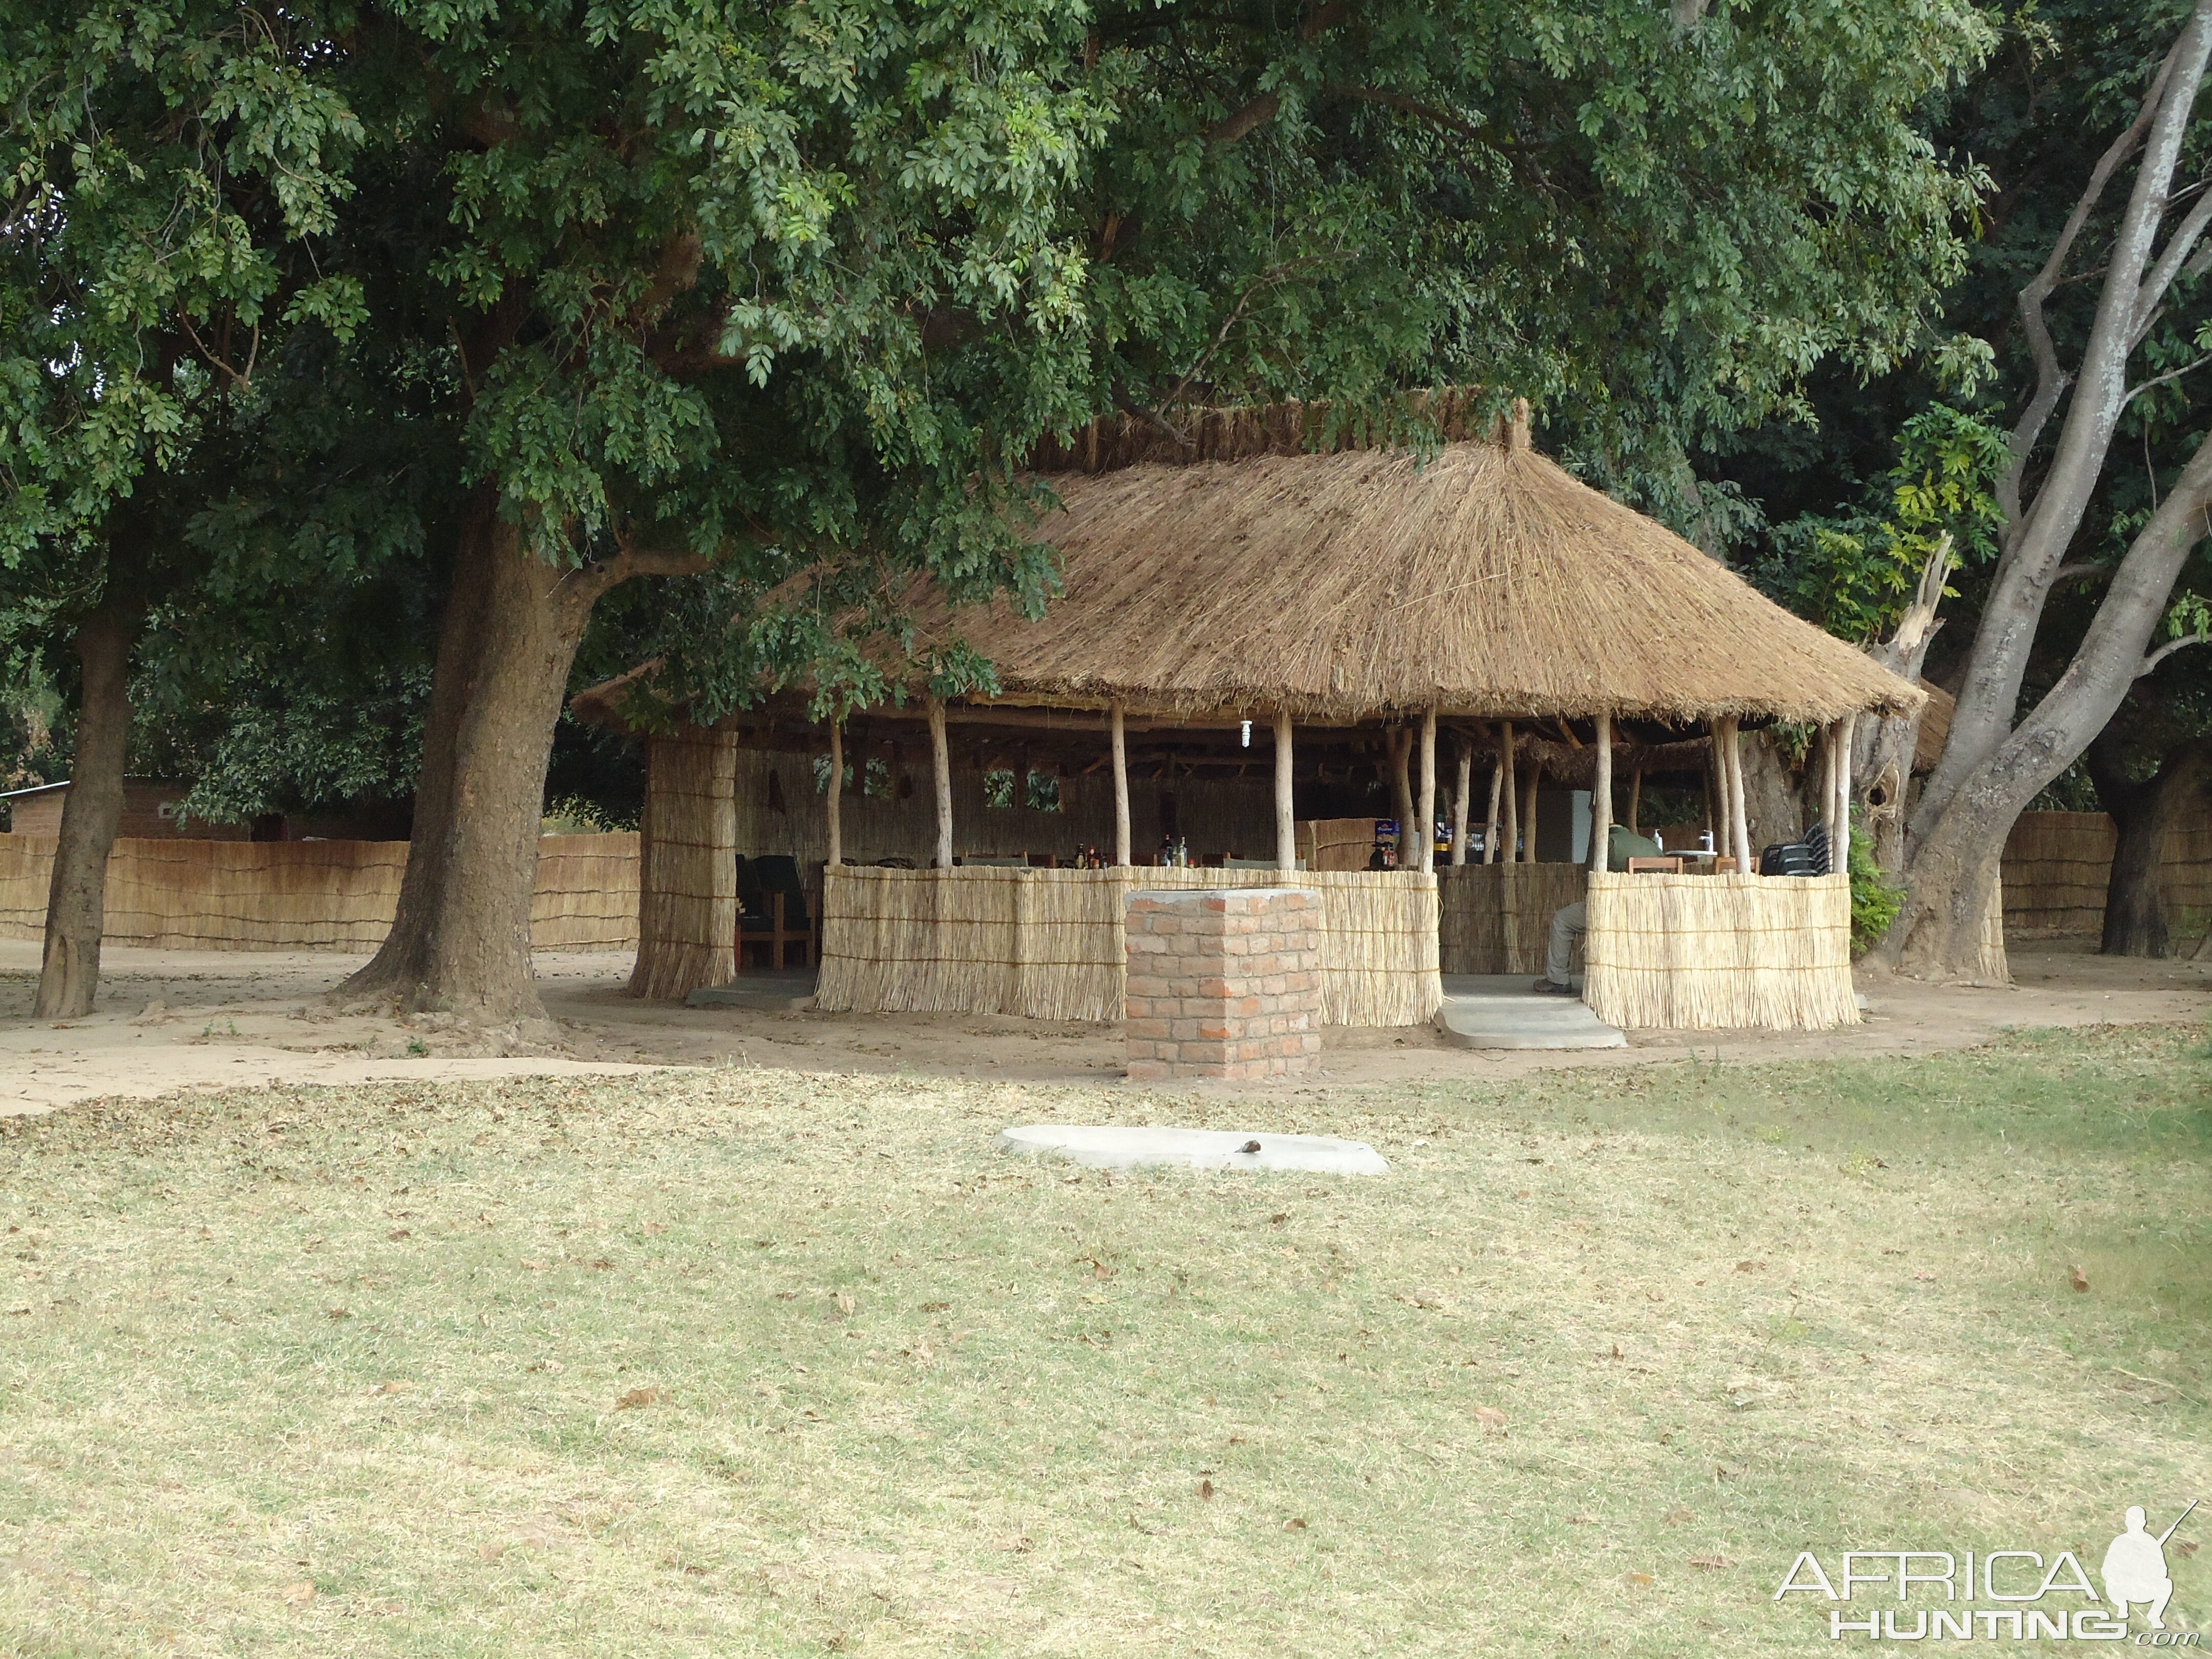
(175, 1019)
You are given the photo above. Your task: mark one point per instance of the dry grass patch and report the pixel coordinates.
(755, 1362)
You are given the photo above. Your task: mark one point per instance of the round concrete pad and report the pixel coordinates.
(1099, 1147)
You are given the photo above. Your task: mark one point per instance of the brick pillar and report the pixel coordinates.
(1224, 982)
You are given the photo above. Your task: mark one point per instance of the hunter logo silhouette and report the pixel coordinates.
(2135, 1568)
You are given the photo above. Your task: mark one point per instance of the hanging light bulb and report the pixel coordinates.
(1247, 734)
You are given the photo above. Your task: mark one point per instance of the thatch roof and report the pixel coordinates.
(1934, 726)
(1365, 583)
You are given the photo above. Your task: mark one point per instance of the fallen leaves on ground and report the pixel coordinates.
(636, 1398)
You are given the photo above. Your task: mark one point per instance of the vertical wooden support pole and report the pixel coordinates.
(1601, 795)
(1528, 819)
(1829, 734)
(835, 818)
(1739, 827)
(1490, 824)
(1120, 791)
(1636, 802)
(1426, 808)
(1510, 849)
(940, 761)
(1840, 854)
(1715, 792)
(1286, 826)
(1401, 739)
(1461, 791)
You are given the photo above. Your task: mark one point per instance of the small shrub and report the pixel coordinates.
(1874, 901)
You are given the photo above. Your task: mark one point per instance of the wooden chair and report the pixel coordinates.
(772, 912)
(1669, 866)
(1725, 867)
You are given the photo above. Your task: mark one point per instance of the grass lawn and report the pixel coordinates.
(740, 1362)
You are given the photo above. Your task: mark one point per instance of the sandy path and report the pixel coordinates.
(259, 1017)
(234, 1018)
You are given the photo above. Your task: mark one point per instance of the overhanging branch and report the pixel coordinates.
(2051, 380)
(2167, 650)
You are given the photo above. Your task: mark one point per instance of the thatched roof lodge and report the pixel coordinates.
(1485, 582)
(1350, 604)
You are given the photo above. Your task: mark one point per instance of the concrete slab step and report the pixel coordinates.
(780, 992)
(1506, 1010)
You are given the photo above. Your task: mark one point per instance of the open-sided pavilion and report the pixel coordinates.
(1265, 617)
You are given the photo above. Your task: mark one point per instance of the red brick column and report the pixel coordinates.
(1224, 982)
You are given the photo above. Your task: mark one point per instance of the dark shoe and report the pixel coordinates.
(1552, 988)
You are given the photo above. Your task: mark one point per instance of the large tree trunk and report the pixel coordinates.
(1883, 746)
(2137, 274)
(1773, 794)
(1951, 926)
(2136, 922)
(1992, 765)
(460, 936)
(69, 976)
(687, 913)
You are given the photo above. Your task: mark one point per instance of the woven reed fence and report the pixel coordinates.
(1049, 944)
(1497, 918)
(688, 879)
(585, 898)
(310, 895)
(2056, 866)
(1720, 952)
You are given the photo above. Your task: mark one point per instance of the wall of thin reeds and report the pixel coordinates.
(309, 895)
(585, 898)
(1497, 918)
(1049, 944)
(1336, 843)
(1720, 952)
(687, 868)
(2057, 867)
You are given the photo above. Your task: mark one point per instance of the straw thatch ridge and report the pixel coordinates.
(1178, 436)
(1050, 944)
(1720, 952)
(1486, 581)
